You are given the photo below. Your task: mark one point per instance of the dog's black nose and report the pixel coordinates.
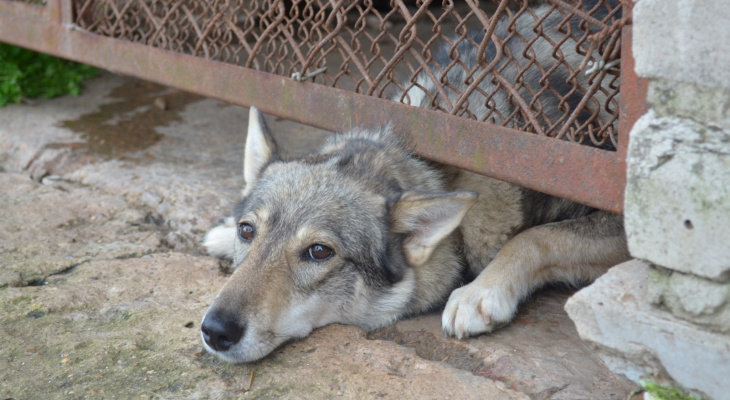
(221, 330)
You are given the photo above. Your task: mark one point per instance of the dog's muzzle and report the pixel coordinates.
(221, 330)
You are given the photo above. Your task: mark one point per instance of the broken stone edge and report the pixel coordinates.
(642, 342)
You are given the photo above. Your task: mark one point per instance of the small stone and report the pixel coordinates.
(50, 179)
(160, 103)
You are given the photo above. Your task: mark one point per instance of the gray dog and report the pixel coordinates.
(365, 233)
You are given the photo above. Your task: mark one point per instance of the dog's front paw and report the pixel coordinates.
(473, 310)
(219, 241)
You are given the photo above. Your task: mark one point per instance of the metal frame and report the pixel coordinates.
(579, 173)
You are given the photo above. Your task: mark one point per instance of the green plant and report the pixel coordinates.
(27, 74)
(660, 392)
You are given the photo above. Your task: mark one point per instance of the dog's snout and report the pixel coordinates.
(221, 331)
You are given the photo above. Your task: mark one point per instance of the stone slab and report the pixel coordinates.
(640, 341)
(126, 323)
(702, 104)
(125, 328)
(683, 40)
(46, 229)
(539, 353)
(691, 298)
(677, 207)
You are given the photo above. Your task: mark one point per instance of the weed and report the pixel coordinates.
(26, 74)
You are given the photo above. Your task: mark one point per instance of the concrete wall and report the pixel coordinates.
(677, 208)
(678, 194)
(678, 166)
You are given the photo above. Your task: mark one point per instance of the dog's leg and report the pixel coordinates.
(570, 251)
(220, 240)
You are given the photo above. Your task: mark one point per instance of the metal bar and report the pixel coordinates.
(66, 8)
(14, 9)
(633, 101)
(580, 173)
(633, 93)
(54, 14)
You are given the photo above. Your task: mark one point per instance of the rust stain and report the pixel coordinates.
(633, 93)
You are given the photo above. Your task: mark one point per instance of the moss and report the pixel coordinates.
(144, 344)
(21, 299)
(271, 392)
(660, 392)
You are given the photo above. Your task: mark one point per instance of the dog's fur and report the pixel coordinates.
(404, 234)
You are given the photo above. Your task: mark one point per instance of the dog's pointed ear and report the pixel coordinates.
(426, 219)
(260, 146)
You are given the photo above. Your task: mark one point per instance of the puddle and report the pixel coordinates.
(128, 125)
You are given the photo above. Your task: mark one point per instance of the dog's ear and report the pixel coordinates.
(260, 146)
(426, 219)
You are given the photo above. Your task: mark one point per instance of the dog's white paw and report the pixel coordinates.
(473, 310)
(220, 240)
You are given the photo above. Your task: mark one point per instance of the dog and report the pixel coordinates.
(364, 232)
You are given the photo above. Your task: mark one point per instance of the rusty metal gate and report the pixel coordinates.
(335, 64)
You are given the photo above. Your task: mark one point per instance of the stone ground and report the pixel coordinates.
(104, 199)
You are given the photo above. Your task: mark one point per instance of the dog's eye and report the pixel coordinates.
(320, 252)
(245, 232)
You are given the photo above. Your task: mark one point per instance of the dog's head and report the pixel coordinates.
(318, 243)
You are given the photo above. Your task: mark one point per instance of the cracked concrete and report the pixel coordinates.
(103, 283)
(46, 238)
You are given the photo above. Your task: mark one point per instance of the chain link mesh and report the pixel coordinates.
(385, 49)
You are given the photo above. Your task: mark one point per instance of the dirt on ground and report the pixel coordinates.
(104, 200)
